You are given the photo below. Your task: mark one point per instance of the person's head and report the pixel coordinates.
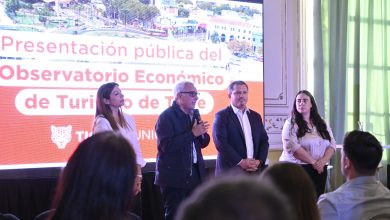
(109, 98)
(361, 154)
(98, 180)
(238, 94)
(293, 181)
(305, 108)
(108, 95)
(186, 95)
(304, 104)
(235, 197)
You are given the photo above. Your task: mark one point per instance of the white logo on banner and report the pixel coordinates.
(61, 135)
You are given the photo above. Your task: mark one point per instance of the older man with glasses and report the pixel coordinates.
(181, 134)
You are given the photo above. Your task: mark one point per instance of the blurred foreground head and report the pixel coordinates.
(98, 180)
(293, 181)
(235, 198)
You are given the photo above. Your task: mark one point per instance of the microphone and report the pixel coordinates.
(196, 115)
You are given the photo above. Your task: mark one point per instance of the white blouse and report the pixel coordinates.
(312, 142)
(102, 124)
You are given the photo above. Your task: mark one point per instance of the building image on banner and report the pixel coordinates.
(54, 55)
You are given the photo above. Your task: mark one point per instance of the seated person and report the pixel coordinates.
(293, 181)
(234, 198)
(97, 182)
(361, 196)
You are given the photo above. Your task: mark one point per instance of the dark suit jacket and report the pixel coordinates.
(230, 141)
(174, 145)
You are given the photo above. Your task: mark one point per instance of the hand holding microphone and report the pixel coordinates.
(199, 127)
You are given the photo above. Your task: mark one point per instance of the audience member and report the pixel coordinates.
(239, 134)
(181, 134)
(361, 196)
(307, 140)
(235, 198)
(110, 117)
(292, 180)
(97, 182)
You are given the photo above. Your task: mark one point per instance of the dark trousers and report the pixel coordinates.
(319, 180)
(172, 197)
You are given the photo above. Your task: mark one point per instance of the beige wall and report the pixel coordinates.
(273, 155)
(282, 59)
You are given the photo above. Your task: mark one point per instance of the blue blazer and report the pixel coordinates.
(230, 141)
(174, 144)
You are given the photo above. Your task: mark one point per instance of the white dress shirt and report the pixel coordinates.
(102, 124)
(246, 128)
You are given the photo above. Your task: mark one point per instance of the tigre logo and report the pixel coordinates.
(61, 135)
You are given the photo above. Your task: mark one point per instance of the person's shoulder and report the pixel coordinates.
(288, 122)
(324, 196)
(170, 114)
(337, 196)
(224, 110)
(251, 111)
(100, 119)
(170, 110)
(128, 117)
(325, 199)
(288, 126)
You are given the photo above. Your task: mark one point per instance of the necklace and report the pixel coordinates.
(311, 127)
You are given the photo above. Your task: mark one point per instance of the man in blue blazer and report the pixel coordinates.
(239, 134)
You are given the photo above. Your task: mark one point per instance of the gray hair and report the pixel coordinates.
(180, 87)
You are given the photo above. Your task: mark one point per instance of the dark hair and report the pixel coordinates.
(235, 197)
(293, 181)
(363, 150)
(234, 83)
(315, 118)
(104, 92)
(97, 182)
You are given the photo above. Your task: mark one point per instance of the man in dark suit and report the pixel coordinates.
(239, 134)
(180, 136)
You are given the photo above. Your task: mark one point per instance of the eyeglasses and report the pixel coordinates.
(191, 93)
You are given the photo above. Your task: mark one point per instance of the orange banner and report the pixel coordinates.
(48, 84)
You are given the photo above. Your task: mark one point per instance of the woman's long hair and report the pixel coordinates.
(315, 118)
(293, 181)
(103, 109)
(97, 182)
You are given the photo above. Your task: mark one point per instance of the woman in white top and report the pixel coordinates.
(109, 116)
(308, 140)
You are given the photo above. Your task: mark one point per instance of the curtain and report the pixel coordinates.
(335, 48)
(330, 47)
(356, 63)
